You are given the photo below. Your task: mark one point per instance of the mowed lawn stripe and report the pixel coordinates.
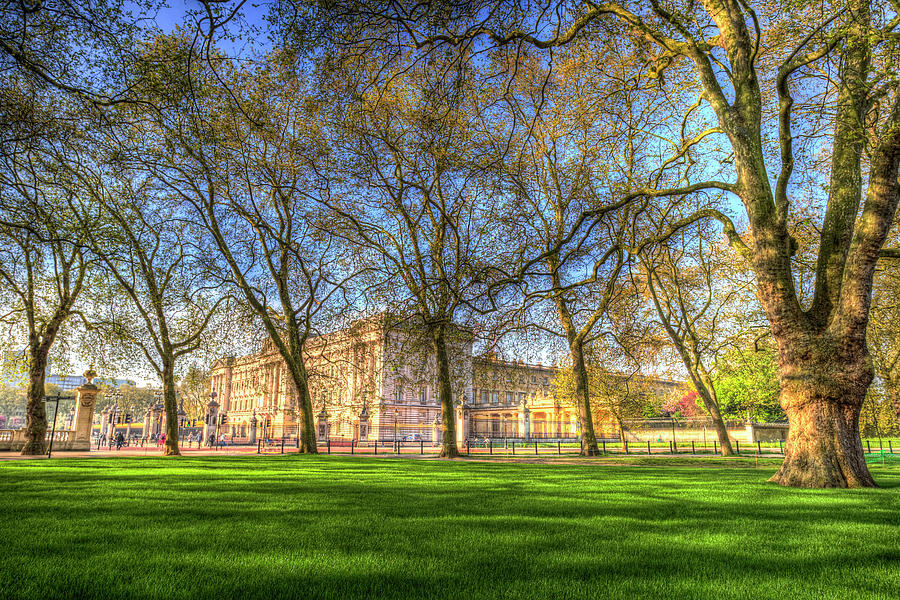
(342, 527)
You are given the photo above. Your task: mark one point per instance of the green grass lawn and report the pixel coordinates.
(347, 527)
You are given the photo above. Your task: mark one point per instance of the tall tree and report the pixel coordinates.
(146, 247)
(695, 303)
(241, 149)
(44, 266)
(412, 204)
(746, 68)
(568, 160)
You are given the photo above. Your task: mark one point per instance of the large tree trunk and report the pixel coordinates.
(170, 401)
(707, 392)
(622, 439)
(822, 392)
(449, 449)
(895, 402)
(35, 412)
(583, 400)
(307, 432)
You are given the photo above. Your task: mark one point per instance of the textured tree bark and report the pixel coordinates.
(171, 403)
(583, 399)
(725, 448)
(35, 411)
(895, 402)
(822, 391)
(707, 391)
(449, 449)
(307, 433)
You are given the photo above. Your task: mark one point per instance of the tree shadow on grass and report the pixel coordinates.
(320, 528)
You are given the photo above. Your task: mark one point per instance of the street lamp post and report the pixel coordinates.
(157, 395)
(115, 394)
(181, 417)
(212, 419)
(52, 431)
(113, 419)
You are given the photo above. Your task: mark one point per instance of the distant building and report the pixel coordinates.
(70, 382)
(377, 381)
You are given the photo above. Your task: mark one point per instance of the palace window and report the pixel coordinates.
(398, 393)
(484, 396)
(495, 398)
(510, 397)
(423, 395)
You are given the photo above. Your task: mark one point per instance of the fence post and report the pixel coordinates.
(282, 443)
(737, 443)
(693, 449)
(604, 447)
(467, 446)
(352, 443)
(715, 448)
(626, 446)
(328, 445)
(376, 446)
(258, 445)
(670, 447)
(421, 446)
(869, 446)
(535, 447)
(758, 447)
(674, 446)
(648, 447)
(514, 447)
(890, 447)
(490, 446)
(559, 447)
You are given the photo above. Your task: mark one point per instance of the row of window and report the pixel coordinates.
(421, 397)
(510, 378)
(494, 397)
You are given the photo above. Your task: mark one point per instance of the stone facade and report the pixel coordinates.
(377, 381)
(384, 373)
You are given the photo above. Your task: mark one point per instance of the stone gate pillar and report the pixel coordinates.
(253, 421)
(524, 422)
(104, 422)
(322, 425)
(363, 432)
(212, 417)
(462, 425)
(85, 400)
(437, 430)
(156, 413)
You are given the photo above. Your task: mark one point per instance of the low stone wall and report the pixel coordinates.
(14, 439)
(767, 432)
(749, 433)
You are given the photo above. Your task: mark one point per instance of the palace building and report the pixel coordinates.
(377, 381)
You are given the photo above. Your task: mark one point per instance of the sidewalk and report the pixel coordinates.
(132, 451)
